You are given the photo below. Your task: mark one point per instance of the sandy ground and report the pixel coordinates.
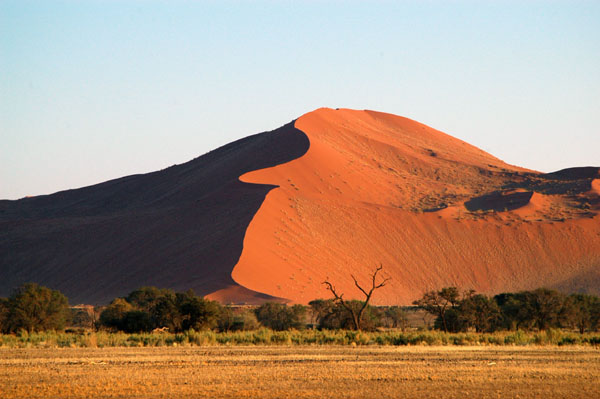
(301, 372)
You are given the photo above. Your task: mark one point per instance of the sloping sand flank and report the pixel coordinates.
(181, 227)
(595, 187)
(376, 189)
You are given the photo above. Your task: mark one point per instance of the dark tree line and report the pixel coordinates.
(540, 309)
(151, 308)
(35, 308)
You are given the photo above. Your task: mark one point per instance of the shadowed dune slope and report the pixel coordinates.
(180, 228)
(376, 189)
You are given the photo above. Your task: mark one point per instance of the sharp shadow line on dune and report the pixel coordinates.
(182, 227)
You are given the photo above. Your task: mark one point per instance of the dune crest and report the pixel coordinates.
(334, 193)
(376, 188)
(180, 228)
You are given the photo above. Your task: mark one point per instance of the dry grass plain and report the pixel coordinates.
(301, 372)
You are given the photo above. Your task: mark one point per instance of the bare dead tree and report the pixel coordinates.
(357, 313)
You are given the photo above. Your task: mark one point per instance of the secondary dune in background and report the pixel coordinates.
(376, 188)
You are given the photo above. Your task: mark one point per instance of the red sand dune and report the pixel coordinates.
(366, 193)
(337, 192)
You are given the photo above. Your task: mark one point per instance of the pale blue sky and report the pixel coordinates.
(95, 90)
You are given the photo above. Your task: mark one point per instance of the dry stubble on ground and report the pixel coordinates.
(305, 372)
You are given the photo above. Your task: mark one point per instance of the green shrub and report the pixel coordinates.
(517, 338)
(279, 317)
(569, 340)
(400, 339)
(33, 307)
(136, 321)
(231, 319)
(112, 316)
(281, 337)
(592, 340)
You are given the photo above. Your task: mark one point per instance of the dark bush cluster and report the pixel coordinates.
(540, 309)
(148, 308)
(279, 317)
(32, 307)
(237, 319)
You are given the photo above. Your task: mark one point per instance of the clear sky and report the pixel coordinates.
(95, 90)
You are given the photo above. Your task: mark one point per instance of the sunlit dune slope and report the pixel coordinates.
(376, 188)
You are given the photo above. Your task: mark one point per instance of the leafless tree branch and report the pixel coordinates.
(357, 315)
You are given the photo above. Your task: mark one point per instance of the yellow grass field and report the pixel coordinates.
(301, 372)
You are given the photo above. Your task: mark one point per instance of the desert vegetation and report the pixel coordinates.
(536, 310)
(356, 309)
(159, 343)
(265, 336)
(35, 316)
(32, 307)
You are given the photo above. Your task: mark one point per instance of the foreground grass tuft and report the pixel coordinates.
(263, 336)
